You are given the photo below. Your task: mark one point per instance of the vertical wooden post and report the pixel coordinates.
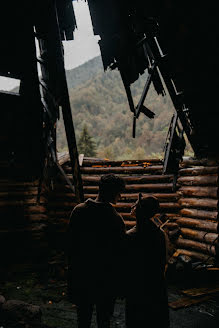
(48, 27)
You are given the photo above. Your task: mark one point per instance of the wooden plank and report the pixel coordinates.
(197, 224)
(197, 202)
(198, 180)
(185, 302)
(94, 180)
(199, 246)
(199, 170)
(201, 214)
(207, 237)
(196, 292)
(188, 161)
(196, 255)
(119, 170)
(198, 191)
(147, 161)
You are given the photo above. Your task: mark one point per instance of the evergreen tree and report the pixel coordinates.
(86, 145)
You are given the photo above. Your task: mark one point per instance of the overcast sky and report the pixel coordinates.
(81, 49)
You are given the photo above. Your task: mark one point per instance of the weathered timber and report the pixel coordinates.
(196, 202)
(207, 237)
(130, 224)
(192, 244)
(198, 180)
(36, 217)
(196, 292)
(119, 170)
(185, 302)
(8, 183)
(132, 197)
(94, 180)
(197, 224)
(135, 187)
(18, 194)
(26, 209)
(198, 191)
(211, 215)
(199, 162)
(119, 206)
(30, 229)
(143, 162)
(191, 171)
(22, 202)
(196, 255)
(149, 187)
(169, 206)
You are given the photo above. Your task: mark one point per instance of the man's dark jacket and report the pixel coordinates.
(96, 234)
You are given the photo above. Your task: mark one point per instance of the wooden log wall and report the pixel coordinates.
(140, 176)
(28, 230)
(23, 224)
(198, 214)
(193, 206)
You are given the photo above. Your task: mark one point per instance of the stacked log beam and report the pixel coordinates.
(198, 214)
(24, 221)
(194, 206)
(143, 176)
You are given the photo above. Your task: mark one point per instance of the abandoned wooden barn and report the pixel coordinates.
(176, 44)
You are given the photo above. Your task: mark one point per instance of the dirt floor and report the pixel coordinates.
(57, 312)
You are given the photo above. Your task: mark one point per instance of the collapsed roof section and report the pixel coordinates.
(175, 42)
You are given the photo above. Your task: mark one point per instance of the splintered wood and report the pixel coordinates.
(194, 296)
(187, 301)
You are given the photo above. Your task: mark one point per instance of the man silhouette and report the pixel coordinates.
(95, 237)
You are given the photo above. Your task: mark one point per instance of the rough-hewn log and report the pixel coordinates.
(132, 197)
(197, 202)
(149, 187)
(94, 180)
(36, 217)
(206, 237)
(22, 202)
(199, 162)
(212, 215)
(89, 162)
(135, 187)
(197, 224)
(123, 163)
(160, 196)
(195, 255)
(192, 244)
(26, 209)
(11, 183)
(191, 171)
(198, 191)
(130, 224)
(31, 228)
(162, 205)
(198, 180)
(18, 194)
(119, 170)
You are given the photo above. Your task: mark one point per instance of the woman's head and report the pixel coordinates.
(146, 207)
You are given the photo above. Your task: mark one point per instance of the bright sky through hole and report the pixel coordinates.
(78, 51)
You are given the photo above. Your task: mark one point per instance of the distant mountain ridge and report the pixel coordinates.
(98, 99)
(85, 72)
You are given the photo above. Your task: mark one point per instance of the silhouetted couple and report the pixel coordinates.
(106, 262)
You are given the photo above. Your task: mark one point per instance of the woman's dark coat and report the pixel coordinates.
(147, 302)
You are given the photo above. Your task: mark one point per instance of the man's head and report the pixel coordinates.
(110, 187)
(145, 207)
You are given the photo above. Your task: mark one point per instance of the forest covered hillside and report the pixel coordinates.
(99, 102)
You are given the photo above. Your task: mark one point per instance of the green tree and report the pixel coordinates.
(86, 145)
